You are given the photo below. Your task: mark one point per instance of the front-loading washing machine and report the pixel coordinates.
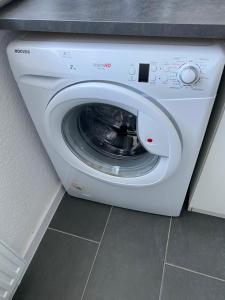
(121, 119)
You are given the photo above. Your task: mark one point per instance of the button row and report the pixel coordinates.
(153, 68)
(153, 75)
(162, 77)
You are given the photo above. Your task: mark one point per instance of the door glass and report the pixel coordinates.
(105, 137)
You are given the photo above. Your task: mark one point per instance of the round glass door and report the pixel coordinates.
(105, 137)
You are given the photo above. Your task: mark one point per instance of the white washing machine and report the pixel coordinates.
(121, 119)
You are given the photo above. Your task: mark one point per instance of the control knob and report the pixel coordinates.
(189, 74)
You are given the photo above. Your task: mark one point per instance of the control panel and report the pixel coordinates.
(163, 69)
(163, 73)
(174, 74)
(166, 71)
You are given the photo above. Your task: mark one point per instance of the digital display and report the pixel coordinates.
(143, 72)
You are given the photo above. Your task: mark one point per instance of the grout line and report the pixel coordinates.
(73, 235)
(164, 262)
(195, 272)
(96, 254)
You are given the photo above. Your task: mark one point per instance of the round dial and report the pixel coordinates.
(188, 74)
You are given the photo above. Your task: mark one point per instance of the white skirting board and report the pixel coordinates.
(12, 266)
(43, 225)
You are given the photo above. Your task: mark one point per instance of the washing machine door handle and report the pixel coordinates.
(158, 135)
(152, 135)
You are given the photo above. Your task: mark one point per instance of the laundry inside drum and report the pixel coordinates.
(105, 138)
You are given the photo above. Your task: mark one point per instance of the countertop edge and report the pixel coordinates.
(211, 31)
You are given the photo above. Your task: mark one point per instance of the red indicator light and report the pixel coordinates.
(149, 140)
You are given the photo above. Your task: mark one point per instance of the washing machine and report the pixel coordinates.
(122, 119)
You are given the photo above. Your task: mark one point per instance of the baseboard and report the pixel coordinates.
(43, 225)
(206, 212)
(41, 229)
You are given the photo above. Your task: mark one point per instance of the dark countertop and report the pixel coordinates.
(167, 18)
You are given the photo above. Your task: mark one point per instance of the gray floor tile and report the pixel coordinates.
(130, 260)
(81, 217)
(183, 285)
(59, 269)
(197, 242)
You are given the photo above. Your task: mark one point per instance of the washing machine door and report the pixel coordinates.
(113, 133)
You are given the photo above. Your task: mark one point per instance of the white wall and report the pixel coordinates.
(28, 183)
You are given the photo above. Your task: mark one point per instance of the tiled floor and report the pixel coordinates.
(94, 252)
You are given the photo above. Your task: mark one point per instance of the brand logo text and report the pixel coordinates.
(24, 51)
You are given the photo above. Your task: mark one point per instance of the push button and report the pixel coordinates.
(132, 70)
(164, 78)
(153, 68)
(153, 77)
(166, 68)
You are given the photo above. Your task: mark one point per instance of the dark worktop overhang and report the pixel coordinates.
(165, 18)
